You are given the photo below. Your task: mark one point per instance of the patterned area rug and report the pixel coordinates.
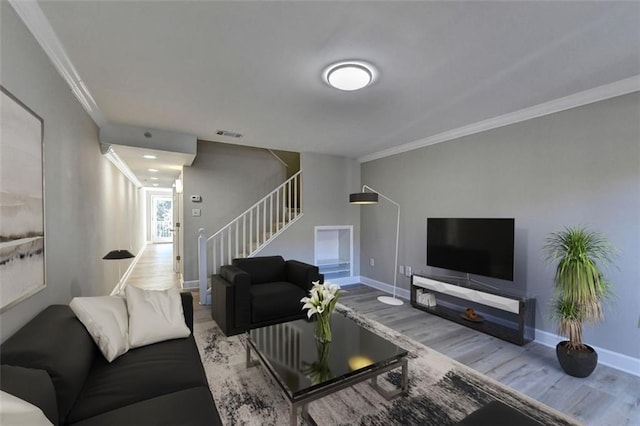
(441, 390)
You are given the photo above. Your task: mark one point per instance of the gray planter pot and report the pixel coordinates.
(576, 363)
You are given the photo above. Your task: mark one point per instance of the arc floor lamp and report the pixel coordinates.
(118, 255)
(371, 197)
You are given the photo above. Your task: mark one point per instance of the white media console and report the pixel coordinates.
(507, 317)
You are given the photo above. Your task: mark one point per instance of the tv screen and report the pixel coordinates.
(475, 246)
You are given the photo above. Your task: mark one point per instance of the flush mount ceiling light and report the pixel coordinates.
(150, 157)
(153, 170)
(349, 76)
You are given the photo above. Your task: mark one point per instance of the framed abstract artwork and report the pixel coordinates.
(22, 257)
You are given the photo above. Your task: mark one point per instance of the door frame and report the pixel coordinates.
(152, 220)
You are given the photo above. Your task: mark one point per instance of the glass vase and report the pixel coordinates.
(322, 332)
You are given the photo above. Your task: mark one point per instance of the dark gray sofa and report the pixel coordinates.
(53, 363)
(497, 413)
(259, 291)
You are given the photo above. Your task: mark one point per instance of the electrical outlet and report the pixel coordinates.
(407, 270)
(401, 270)
(372, 262)
(195, 212)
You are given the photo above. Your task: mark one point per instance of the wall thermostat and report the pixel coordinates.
(196, 198)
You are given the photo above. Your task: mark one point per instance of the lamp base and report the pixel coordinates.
(390, 300)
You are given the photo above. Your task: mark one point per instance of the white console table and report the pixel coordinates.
(507, 317)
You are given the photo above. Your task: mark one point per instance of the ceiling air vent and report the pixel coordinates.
(228, 133)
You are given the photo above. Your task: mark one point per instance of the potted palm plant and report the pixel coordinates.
(581, 289)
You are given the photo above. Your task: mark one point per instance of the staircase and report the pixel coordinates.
(250, 232)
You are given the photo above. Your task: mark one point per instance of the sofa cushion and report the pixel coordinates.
(17, 412)
(140, 374)
(57, 342)
(275, 300)
(31, 385)
(154, 316)
(264, 269)
(302, 274)
(106, 320)
(192, 406)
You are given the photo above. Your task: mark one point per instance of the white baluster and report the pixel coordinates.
(202, 266)
(250, 232)
(295, 195)
(237, 228)
(264, 221)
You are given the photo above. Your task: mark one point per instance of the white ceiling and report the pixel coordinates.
(168, 165)
(255, 67)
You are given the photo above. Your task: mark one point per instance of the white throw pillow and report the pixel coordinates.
(154, 316)
(106, 319)
(15, 411)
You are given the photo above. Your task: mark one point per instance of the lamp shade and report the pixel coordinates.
(363, 198)
(118, 254)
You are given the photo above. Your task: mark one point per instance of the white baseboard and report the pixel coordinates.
(605, 356)
(387, 288)
(345, 281)
(190, 285)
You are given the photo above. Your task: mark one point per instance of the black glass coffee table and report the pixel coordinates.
(306, 370)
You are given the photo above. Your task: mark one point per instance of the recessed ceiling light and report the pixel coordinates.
(155, 184)
(349, 76)
(150, 157)
(154, 178)
(153, 170)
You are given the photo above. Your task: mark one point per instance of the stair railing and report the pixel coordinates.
(250, 232)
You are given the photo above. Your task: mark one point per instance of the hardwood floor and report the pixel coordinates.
(606, 398)
(154, 270)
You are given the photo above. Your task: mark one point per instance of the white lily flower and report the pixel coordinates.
(320, 298)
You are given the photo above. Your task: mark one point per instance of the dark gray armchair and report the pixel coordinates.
(259, 291)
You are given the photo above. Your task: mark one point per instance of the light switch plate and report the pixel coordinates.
(372, 262)
(407, 270)
(401, 269)
(195, 212)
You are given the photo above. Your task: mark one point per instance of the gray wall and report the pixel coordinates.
(580, 166)
(327, 182)
(230, 179)
(90, 207)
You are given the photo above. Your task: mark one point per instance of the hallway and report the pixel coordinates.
(154, 270)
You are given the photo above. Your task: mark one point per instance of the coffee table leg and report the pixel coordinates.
(405, 376)
(250, 362)
(304, 414)
(388, 395)
(293, 419)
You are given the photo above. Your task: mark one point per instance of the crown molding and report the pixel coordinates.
(600, 93)
(33, 17)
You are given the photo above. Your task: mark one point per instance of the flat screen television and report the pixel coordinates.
(475, 246)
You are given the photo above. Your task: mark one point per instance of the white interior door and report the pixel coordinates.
(161, 218)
